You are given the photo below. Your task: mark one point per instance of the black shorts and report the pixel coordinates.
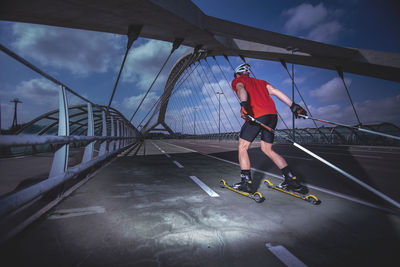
(250, 129)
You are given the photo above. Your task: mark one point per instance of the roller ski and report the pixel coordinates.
(243, 188)
(293, 188)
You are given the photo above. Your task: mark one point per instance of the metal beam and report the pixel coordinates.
(170, 19)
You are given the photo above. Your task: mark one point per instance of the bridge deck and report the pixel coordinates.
(145, 210)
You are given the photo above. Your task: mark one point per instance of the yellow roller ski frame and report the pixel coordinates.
(309, 198)
(257, 196)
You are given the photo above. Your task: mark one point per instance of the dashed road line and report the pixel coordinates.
(67, 213)
(337, 194)
(177, 164)
(285, 256)
(203, 186)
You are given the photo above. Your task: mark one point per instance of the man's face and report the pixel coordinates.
(242, 73)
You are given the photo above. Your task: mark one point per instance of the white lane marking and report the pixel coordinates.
(285, 256)
(188, 149)
(333, 193)
(165, 153)
(177, 164)
(66, 213)
(204, 186)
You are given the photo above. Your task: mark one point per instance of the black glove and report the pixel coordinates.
(298, 110)
(244, 111)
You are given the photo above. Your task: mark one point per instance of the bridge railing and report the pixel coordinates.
(336, 136)
(51, 153)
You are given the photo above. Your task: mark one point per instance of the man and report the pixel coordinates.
(255, 100)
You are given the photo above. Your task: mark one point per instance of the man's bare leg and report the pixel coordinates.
(244, 160)
(290, 178)
(275, 157)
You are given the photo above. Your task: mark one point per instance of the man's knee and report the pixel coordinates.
(243, 145)
(267, 148)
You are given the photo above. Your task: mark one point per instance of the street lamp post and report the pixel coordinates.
(194, 124)
(293, 50)
(219, 114)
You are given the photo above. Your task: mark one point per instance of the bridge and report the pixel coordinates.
(84, 184)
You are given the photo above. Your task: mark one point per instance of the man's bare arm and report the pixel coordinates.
(279, 94)
(241, 92)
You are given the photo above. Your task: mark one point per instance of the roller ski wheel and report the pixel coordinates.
(257, 196)
(309, 198)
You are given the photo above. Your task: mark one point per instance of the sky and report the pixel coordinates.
(88, 62)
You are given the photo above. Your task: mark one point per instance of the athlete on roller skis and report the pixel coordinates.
(255, 100)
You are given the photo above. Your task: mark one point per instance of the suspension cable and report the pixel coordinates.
(194, 106)
(47, 76)
(226, 79)
(175, 46)
(133, 34)
(226, 116)
(226, 98)
(196, 95)
(207, 104)
(340, 73)
(302, 99)
(160, 99)
(183, 113)
(195, 84)
(209, 96)
(163, 97)
(227, 59)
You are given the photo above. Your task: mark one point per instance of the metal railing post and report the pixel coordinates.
(60, 159)
(118, 133)
(103, 146)
(88, 155)
(111, 146)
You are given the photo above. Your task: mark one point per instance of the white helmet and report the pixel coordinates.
(242, 68)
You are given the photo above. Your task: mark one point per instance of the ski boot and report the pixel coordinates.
(244, 185)
(292, 184)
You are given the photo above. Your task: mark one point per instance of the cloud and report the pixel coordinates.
(39, 91)
(381, 110)
(313, 22)
(131, 103)
(38, 96)
(145, 61)
(304, 16)
(384, 110)
(184, 92)
(298, 80)
(326, 32)
(331, 91)
(78, 51)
